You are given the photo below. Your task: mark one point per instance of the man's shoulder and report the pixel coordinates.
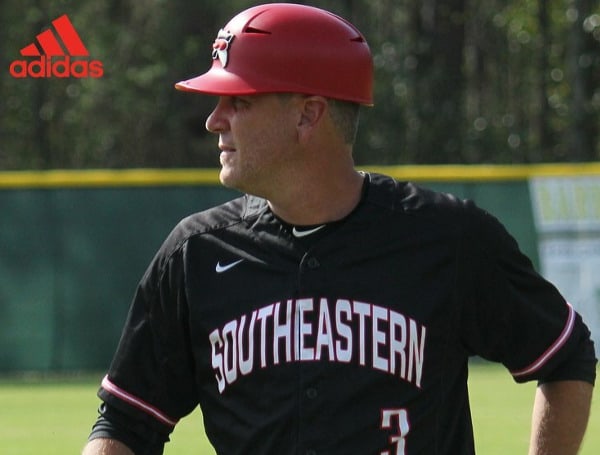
(409, 197)
(411, 206)
(224, 216)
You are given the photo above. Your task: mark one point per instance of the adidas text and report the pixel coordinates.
(45, 67)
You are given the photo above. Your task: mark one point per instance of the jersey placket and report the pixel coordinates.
(307, 391)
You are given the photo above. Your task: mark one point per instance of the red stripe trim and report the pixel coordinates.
(136, 402)
(559, 343)
(70, 37)
(50, 46)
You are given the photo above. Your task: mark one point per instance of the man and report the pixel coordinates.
(329, 311)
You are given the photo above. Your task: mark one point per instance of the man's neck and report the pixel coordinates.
(319, 202)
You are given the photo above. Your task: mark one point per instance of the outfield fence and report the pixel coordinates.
(73, 244)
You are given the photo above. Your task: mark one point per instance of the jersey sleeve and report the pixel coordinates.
(512, 315)
(151, 377)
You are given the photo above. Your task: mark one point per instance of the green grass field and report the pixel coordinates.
(53, 417)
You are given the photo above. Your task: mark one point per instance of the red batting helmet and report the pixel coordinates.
(283, 47)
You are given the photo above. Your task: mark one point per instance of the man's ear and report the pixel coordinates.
(313, 109)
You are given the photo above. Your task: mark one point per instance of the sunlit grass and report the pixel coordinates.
(53, 417)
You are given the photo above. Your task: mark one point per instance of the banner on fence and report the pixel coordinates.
(566, 212)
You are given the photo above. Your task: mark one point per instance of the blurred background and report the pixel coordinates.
(457, 81)
(472, 83)
(493, 100)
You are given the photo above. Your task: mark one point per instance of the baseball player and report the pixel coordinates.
(329, 311)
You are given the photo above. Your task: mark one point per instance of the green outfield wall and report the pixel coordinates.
(73, 244)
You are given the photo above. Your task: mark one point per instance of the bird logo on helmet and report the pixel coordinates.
(221, 46)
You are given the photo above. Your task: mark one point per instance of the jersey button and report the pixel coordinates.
(313, 263)
(312, 393)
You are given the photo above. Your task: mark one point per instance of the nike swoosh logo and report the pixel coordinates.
(223, 268)
(299, 234)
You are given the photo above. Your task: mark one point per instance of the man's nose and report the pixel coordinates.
(217, 121)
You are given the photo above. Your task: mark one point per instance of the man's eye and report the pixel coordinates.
(239, 103)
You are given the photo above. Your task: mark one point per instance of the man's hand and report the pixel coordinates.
(106, 447)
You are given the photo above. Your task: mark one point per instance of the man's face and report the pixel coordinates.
(257, 135)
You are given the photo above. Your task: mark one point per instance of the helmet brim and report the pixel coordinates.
(219, 83)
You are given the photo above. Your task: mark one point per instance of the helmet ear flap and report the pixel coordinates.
(288, 48)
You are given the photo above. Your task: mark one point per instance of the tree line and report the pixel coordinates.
(457, 81)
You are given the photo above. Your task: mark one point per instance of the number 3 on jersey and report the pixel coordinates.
(395, 419)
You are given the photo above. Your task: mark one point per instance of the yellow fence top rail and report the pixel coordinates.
(108, 178)
(189, 177)
(484, 172)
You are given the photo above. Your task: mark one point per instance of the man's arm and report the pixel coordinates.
(560, 416)
(103, 446)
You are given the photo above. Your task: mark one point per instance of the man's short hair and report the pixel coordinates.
(345, 116)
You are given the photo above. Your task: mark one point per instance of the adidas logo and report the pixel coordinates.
(55, 58)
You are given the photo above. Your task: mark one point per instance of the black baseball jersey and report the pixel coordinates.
(352, 338)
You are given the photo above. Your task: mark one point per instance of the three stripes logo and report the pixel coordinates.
(54, 58)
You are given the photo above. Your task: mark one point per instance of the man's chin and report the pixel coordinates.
(228, 180)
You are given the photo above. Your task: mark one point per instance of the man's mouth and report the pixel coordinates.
(226, 148)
